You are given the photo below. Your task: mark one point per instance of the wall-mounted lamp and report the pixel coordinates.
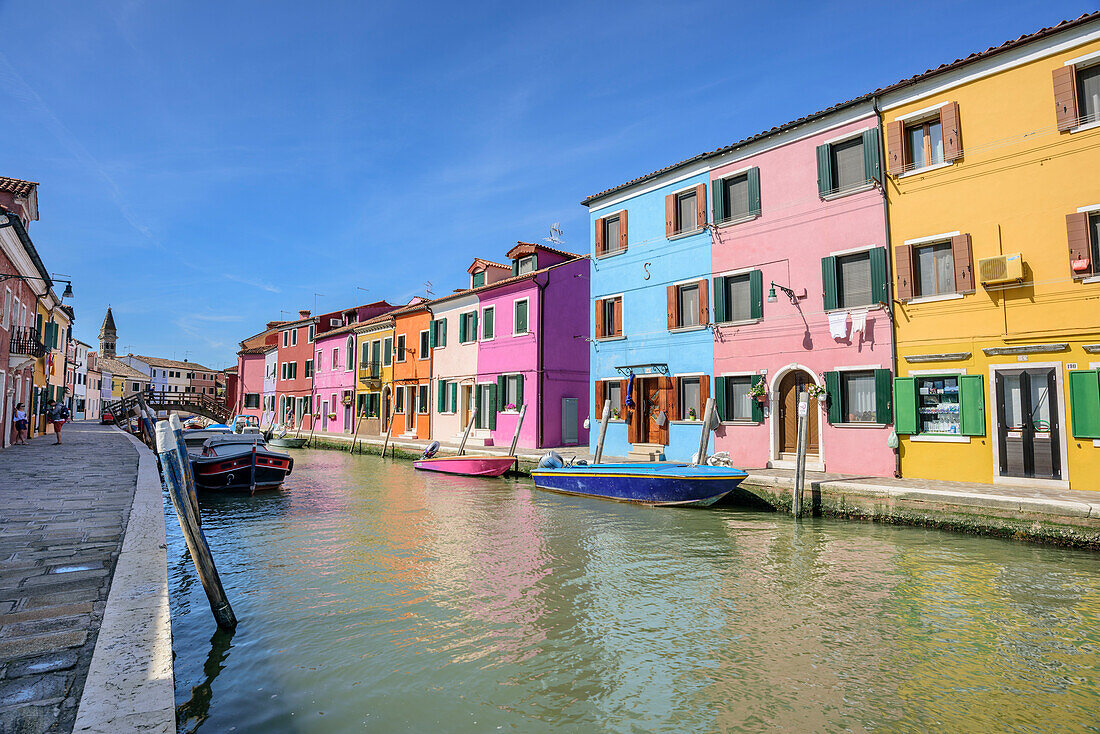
(772, 298)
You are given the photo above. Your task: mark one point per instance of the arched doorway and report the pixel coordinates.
(789, 386)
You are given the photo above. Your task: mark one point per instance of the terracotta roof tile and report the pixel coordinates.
(17, 186)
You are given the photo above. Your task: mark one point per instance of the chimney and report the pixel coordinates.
(303, 313)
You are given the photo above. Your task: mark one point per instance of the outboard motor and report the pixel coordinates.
(430, 450)
(551, 460)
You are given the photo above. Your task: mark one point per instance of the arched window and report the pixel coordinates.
(350, 365)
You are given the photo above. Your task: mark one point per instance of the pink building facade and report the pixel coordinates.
(801, 295)
(334, 380)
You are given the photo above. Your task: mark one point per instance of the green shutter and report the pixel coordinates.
(473, 326)
(719, 299)
(477, 404)
(519, 390)
(905, 405)
(502, 391)
(441, 396)
(479, 279)
(718, 196)
(443, 332)
(720, 397)
(754, 191)
(494, 400)
(1084, 403)
(884, 413)
(824, 171)
(972, 404)
(756, 294)
(520, 326)
(872, 166)
(462, 328)
(431, 334)
(833, 399)
(757, 406)
(454, 397)
(515, 267)
(880, 286)
(828, 282)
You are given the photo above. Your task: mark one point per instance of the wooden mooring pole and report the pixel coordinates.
(355, 436)
(603, 432)
(704, 438)
(173, 475)
(466, 433)
(800, 462)
(185, 461)
(515, 436)
(389, 430)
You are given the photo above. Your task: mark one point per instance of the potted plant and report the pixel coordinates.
(510, 407)
(759, 391)
(691, 415)
(332, 416)
(815, 391)
(615, 413)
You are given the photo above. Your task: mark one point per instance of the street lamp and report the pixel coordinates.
(772, 298)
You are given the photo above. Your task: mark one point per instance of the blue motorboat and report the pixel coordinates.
(662, 483)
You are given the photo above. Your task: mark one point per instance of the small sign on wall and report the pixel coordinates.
(1022, 357)
(1071, 365)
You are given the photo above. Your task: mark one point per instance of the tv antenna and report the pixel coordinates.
(428, 289)
(556, 234)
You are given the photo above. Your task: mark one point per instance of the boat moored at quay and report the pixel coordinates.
(657, 484)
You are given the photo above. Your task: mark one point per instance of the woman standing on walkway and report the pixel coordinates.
(20, 421)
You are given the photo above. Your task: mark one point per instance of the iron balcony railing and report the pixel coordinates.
(370, 370)
(25, 341)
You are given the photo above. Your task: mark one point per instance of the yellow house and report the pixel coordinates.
(374, 382)
(993, 200)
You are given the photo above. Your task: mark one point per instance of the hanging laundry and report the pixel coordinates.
(838, 324)
(859, 322)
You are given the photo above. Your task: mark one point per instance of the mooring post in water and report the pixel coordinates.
(515, 436)
(603, 431)
(389, 430)
(466, 434)
(800, 462)
(185, 461)
(172, 473)
(704, 437)
(355, 437)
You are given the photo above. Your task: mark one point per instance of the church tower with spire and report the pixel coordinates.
(107, 336)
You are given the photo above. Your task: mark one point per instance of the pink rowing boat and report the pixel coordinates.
(469, 466)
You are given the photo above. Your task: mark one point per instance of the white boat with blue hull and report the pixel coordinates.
(685, 485)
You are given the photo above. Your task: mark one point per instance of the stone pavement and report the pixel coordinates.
(63, 511)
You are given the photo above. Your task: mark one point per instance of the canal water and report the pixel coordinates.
(374, 597)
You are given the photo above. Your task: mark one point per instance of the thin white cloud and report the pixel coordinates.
(254, 283)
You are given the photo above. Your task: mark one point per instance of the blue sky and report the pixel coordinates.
(206, 166)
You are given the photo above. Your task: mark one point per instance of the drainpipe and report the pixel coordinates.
(539, 338)
(889, 249)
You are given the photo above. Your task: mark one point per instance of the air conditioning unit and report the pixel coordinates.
(1001, 269)
(335, 322)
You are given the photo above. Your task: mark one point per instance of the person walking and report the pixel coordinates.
(20, 421)
(58, 414)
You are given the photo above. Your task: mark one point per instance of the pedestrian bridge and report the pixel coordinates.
(197, 403)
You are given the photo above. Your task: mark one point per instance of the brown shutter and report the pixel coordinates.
(701, 205)
(670, 215)
(673, 312)
(895, 147)
(1065, 97)
(618, 317)
(622, 398)
(601, 234)
(964, 271)
(704, 302)
(622, 230)
(599, 318)
(1077, 229)
(597, 412)
(952, 132)
(672, 397)
(704, 393)
(903, 263)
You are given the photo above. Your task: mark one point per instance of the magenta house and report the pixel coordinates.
(801, 294)
(532, 331)
(333, 372)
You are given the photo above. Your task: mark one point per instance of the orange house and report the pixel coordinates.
(412, 371)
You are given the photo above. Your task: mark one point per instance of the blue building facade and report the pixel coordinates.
(652, 344)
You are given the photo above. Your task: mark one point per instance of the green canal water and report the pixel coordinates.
(374, 597)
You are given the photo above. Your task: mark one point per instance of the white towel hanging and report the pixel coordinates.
(838, 324)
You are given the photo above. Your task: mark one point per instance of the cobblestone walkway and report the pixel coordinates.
(63, 510)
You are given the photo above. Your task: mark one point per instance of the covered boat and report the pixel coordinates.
(239, 461)
(470, 466)
(648, 484)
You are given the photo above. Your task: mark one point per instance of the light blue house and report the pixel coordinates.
(653, 348)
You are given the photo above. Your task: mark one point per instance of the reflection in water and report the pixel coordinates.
(374, 596)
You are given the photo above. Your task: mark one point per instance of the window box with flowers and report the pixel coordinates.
(759, 391)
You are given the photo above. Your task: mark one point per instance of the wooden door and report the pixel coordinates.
(467, 404)
(655, 400)
(789, 387)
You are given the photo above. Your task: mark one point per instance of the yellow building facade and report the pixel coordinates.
(374, 375)
(993, 201)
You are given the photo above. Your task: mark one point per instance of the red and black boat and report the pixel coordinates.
(239, 461)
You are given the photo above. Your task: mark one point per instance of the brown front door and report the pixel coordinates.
(789, 387)
(655, 402)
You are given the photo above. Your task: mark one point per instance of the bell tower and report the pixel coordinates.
(107, 336)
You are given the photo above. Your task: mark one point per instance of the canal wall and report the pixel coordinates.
(1059, 517)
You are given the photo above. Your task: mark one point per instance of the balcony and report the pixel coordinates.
(25, 343)
(370, 370)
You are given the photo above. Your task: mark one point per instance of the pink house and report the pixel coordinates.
(801, 294)
(333, 371)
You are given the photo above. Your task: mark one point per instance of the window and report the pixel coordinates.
(467, 327)
(519, 317)
(487, 327)
(387, 351)
(399, 399)
(422, 399)
(349, 363)
(613, 391)
(425, 345)
(310, 333)
(308, 368)
(293, 337)
(282, 372)
(292, 370)
(688, 305)
(848, 165)
(690, 408)
(735, 401)
(1088, 94)
(737, 197)
(859, 279)
(252, 400)
(286, 338)
(935, 269)
(924, 144)
(609, 317)
(438, 331)
(686, 211)
(612, 235)
(688, 300)
(857, 397)
(399, 350)
(739, 297)
(512, 396)
(854, 280)
(1094, 239)
(335, 359)
(477, 279)
(526, 264)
